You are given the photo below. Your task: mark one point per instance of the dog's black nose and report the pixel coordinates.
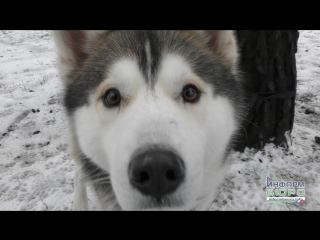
(156, 172)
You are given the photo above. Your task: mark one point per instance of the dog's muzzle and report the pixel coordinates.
(156, 172)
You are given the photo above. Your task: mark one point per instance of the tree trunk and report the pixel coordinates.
(269, 69)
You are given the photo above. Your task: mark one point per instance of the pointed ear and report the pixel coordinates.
(223, 43)
(73, 48)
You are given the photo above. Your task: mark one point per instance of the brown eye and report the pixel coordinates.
(111, 98)
(190, 93)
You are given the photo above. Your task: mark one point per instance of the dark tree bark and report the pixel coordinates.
(269, 70)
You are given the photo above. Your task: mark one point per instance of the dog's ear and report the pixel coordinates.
(73, 48)
(222, 43)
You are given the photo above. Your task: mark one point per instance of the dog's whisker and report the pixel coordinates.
(244, 130)
(101, 180)
(251, 123)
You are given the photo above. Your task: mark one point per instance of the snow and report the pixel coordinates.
(36, 168)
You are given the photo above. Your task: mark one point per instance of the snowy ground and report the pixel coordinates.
(36, 170)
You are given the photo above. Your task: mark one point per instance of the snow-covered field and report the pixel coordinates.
(36, 169)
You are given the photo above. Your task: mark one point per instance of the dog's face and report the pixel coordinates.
(156, 110)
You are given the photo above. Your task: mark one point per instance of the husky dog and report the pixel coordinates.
(151, 114)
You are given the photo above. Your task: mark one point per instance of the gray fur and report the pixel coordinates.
(132, 44)
(119, 44)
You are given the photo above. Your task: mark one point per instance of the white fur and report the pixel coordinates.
(198, 132)
(80, 201)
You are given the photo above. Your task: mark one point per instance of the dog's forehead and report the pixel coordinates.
(173, 70)
(149, 50)
(157, 54)
(144, 48)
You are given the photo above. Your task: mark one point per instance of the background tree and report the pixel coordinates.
(269, 68)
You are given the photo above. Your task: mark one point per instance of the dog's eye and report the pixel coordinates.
(111, 98)
(190, 93)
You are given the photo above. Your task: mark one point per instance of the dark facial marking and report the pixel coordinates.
(132, 44)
